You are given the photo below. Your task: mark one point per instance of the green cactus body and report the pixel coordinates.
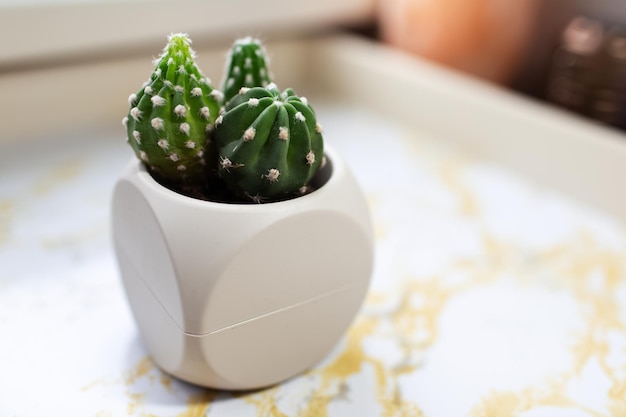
(246, 67)
(270, 144)
(171, 117)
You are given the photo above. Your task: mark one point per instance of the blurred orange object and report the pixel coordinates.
(486, 38)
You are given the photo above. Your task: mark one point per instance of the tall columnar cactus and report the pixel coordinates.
(171, 117)
(270, 144)
(247, 66)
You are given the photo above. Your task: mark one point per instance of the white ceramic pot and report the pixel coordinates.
(241, 296)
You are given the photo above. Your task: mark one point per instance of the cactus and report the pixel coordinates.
(172, 115)
(263, 146)
(246, 67)
(270, 144)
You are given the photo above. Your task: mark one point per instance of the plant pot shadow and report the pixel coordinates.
(156, 387)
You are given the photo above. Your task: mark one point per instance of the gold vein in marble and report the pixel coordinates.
(592, 275)
(140, 370)
(451, 174)
(6, 215)
(58, 176)
(198, 404)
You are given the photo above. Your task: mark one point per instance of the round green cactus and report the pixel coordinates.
(247, 66)
(172, 115)
(270, 144)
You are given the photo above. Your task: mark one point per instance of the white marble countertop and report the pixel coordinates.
(491, 295)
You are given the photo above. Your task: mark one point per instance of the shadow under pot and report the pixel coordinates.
(242, 296)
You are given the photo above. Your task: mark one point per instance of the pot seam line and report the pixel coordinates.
(279, 310)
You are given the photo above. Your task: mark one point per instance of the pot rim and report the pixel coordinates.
(337, 171)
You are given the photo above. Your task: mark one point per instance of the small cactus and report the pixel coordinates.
(264, 145)
(246, 67)
(171, 117)
(269, 144)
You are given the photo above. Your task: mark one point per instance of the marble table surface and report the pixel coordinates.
(491, 295)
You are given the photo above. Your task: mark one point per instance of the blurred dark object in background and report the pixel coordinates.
(588, 70)
(577, 59)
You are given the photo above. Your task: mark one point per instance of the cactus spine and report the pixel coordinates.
(270, 144)
(172, 115)
(247, 66)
